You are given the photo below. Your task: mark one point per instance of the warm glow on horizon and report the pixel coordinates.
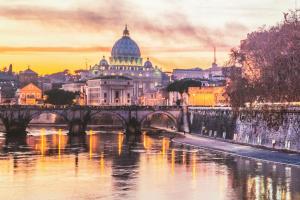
(51, 36)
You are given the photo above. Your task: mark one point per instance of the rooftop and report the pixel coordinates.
(191, 69)
(112, 78)
(28, 71)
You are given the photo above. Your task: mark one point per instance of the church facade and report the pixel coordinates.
(126, 61)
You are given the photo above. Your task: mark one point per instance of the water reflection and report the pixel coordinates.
(111, 166)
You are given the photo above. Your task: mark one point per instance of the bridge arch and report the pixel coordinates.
(111, 113)
(164, 113)
(41, 112)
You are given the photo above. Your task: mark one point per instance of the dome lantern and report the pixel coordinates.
(148, 64)
(103, 62)
(126, 31)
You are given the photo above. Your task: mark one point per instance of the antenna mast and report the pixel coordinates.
(86, 63)
(215, 57)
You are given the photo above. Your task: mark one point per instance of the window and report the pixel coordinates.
(117, 94)
(128, 95)
(105, 95)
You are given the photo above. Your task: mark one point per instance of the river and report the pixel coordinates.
(47, 164)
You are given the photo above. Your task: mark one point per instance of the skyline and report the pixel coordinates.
(50, 37)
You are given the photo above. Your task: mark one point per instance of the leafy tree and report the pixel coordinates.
(60, 97)
(182, 86)
(270, 61)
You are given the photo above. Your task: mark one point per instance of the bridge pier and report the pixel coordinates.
(15, 127)
(184, 125)
(77, 127)
(133, 127)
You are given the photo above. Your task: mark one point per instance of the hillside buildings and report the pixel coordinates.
(28, 76)
(207, 96)
(125, 78)
(214, 73)
(110, 90)
(126, 61)
(8, 85)
(29, 95)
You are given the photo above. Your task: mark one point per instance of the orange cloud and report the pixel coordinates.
(110, 16)
(6, 49)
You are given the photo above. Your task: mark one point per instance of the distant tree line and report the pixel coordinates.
(270, 63)
(60, 97)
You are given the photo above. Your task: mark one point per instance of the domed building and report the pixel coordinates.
(126, 61)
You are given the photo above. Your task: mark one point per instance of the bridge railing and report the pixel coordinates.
(85, 107)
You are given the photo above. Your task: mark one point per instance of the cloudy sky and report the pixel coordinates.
(52, 35)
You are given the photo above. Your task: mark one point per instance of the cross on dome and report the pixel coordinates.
(126, 31)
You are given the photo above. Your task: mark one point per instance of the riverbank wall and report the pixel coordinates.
(272, 128)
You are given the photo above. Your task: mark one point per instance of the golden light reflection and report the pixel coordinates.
(183, 157)
(43, 142)
(269, 188)
(147, 141)
(144, 140)
(172, 161)
(258, 186)
(165, 146)
(120, 142)
(102, 163)
(194, 165)
(59, 143)
(54, 140)
(91, 143)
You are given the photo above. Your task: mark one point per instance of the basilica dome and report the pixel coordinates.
(125, 47)
(103, 62)
(148, 64)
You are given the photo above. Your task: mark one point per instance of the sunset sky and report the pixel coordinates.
(52, 35)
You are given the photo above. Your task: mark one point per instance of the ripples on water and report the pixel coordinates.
(48, 164)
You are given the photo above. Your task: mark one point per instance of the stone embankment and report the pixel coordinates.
(272, 128)
(246, 151)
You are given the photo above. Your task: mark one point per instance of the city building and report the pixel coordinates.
(154, 98)
(77, 87)
(214, 73)
(83, 74)
(126, 61)
(59, 78)
(8, 86)
(29, 95)
(74, 86)
(110, 90)
(176, 99)
(28, 76)
(193, 73)
(207, 96)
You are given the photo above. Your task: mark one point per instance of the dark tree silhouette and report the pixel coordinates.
(182, 86)
(270, 62)
(60, 97)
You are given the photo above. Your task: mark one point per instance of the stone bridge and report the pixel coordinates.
(16, 118)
